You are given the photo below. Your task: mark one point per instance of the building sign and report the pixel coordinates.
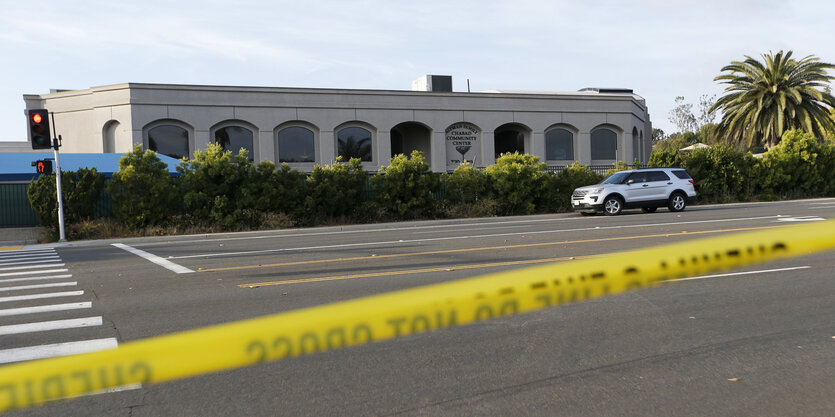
(461, 144)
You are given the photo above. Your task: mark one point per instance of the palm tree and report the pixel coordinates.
(768, 98)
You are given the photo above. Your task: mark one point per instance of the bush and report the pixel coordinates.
(406, 189)
(560, 186)
(81, 189)
(279, 190)
(665, 159)
(142, 191)
(220, 188)
(466, 185)
(799, 166)
(336, 190)
(721, 174)
(518, 183)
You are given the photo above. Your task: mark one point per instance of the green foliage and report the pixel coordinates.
(81, 189)
(766, 99)
(142, 191)
(720, 173)
(219, 187)
(518, 182)
(466, 184)
(336, 190)
(278, 190)
(406, 187)
(663, 159)
(799, 166)
(558, 188)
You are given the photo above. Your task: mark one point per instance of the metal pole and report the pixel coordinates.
(63, 237)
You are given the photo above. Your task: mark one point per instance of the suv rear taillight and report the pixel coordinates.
(692, 182)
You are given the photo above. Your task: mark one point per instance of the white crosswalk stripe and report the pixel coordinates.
(38, 324)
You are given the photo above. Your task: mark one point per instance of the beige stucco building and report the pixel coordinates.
(306, 126)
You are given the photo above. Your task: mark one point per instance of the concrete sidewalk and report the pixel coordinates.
(11, 236)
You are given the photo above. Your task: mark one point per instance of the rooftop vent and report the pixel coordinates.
(608, 90)
(441, 83)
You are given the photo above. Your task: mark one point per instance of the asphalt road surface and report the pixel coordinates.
(758, 343)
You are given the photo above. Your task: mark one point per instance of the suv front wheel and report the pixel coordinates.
(677, 202)
(612, 206)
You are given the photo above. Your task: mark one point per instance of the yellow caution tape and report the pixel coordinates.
(397, 314)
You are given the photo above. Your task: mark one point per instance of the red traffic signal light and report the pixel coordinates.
(43, 166)
(39, 129)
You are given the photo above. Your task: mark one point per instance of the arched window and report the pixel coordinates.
(509, 139)
(296, 144)
(170, 140)
(604, 144)
(559, 145)
(233, 138)
(354, 142)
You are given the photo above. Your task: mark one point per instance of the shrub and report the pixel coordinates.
(219, 187)
(518, 182)
(799, 166)
(665, 158)
(560, 186)
(142, 191)
(278, 190)
(406, 189)
(334, 190)
(466, 185)
(81, 189)
(720, 173)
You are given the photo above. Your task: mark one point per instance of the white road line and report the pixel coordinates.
(45, 309)
(31, 261)
(50, 325)
(764, 271)
(155, 259)
(821, 207)
(42, 265)
(528, 233)
(38, 286)
(3, 281)
(106, 391)
(455, 225)
(40, 296)
(47, 271)
(57, 349)
(28, 255)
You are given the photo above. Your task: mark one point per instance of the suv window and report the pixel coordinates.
(657, 176)
(681, 174)
(616, 178)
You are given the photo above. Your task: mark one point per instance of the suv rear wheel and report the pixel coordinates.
(612, 206)
(677, 202)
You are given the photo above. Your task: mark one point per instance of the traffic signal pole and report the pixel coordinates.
(56, 143)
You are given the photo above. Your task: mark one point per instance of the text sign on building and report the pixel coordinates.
(461, 144)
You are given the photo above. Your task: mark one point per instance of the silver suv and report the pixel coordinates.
(646, 188)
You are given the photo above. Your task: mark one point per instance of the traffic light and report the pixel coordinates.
(39, 128)
(43, 166)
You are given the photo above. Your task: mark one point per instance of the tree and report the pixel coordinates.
(142, 191)
(766, 99)
(682, 116)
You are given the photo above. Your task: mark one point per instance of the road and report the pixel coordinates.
(760, 341)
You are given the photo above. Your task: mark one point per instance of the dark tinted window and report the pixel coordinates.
(682, 175)
(559, 145)
(295, 144)
(604, 144)
(169, 140)
(657, 176)
(638, 177)
(354, 142)
(233, 138)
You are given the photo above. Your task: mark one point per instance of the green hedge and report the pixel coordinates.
(221, 191)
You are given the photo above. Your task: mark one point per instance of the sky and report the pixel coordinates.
(661, 49)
